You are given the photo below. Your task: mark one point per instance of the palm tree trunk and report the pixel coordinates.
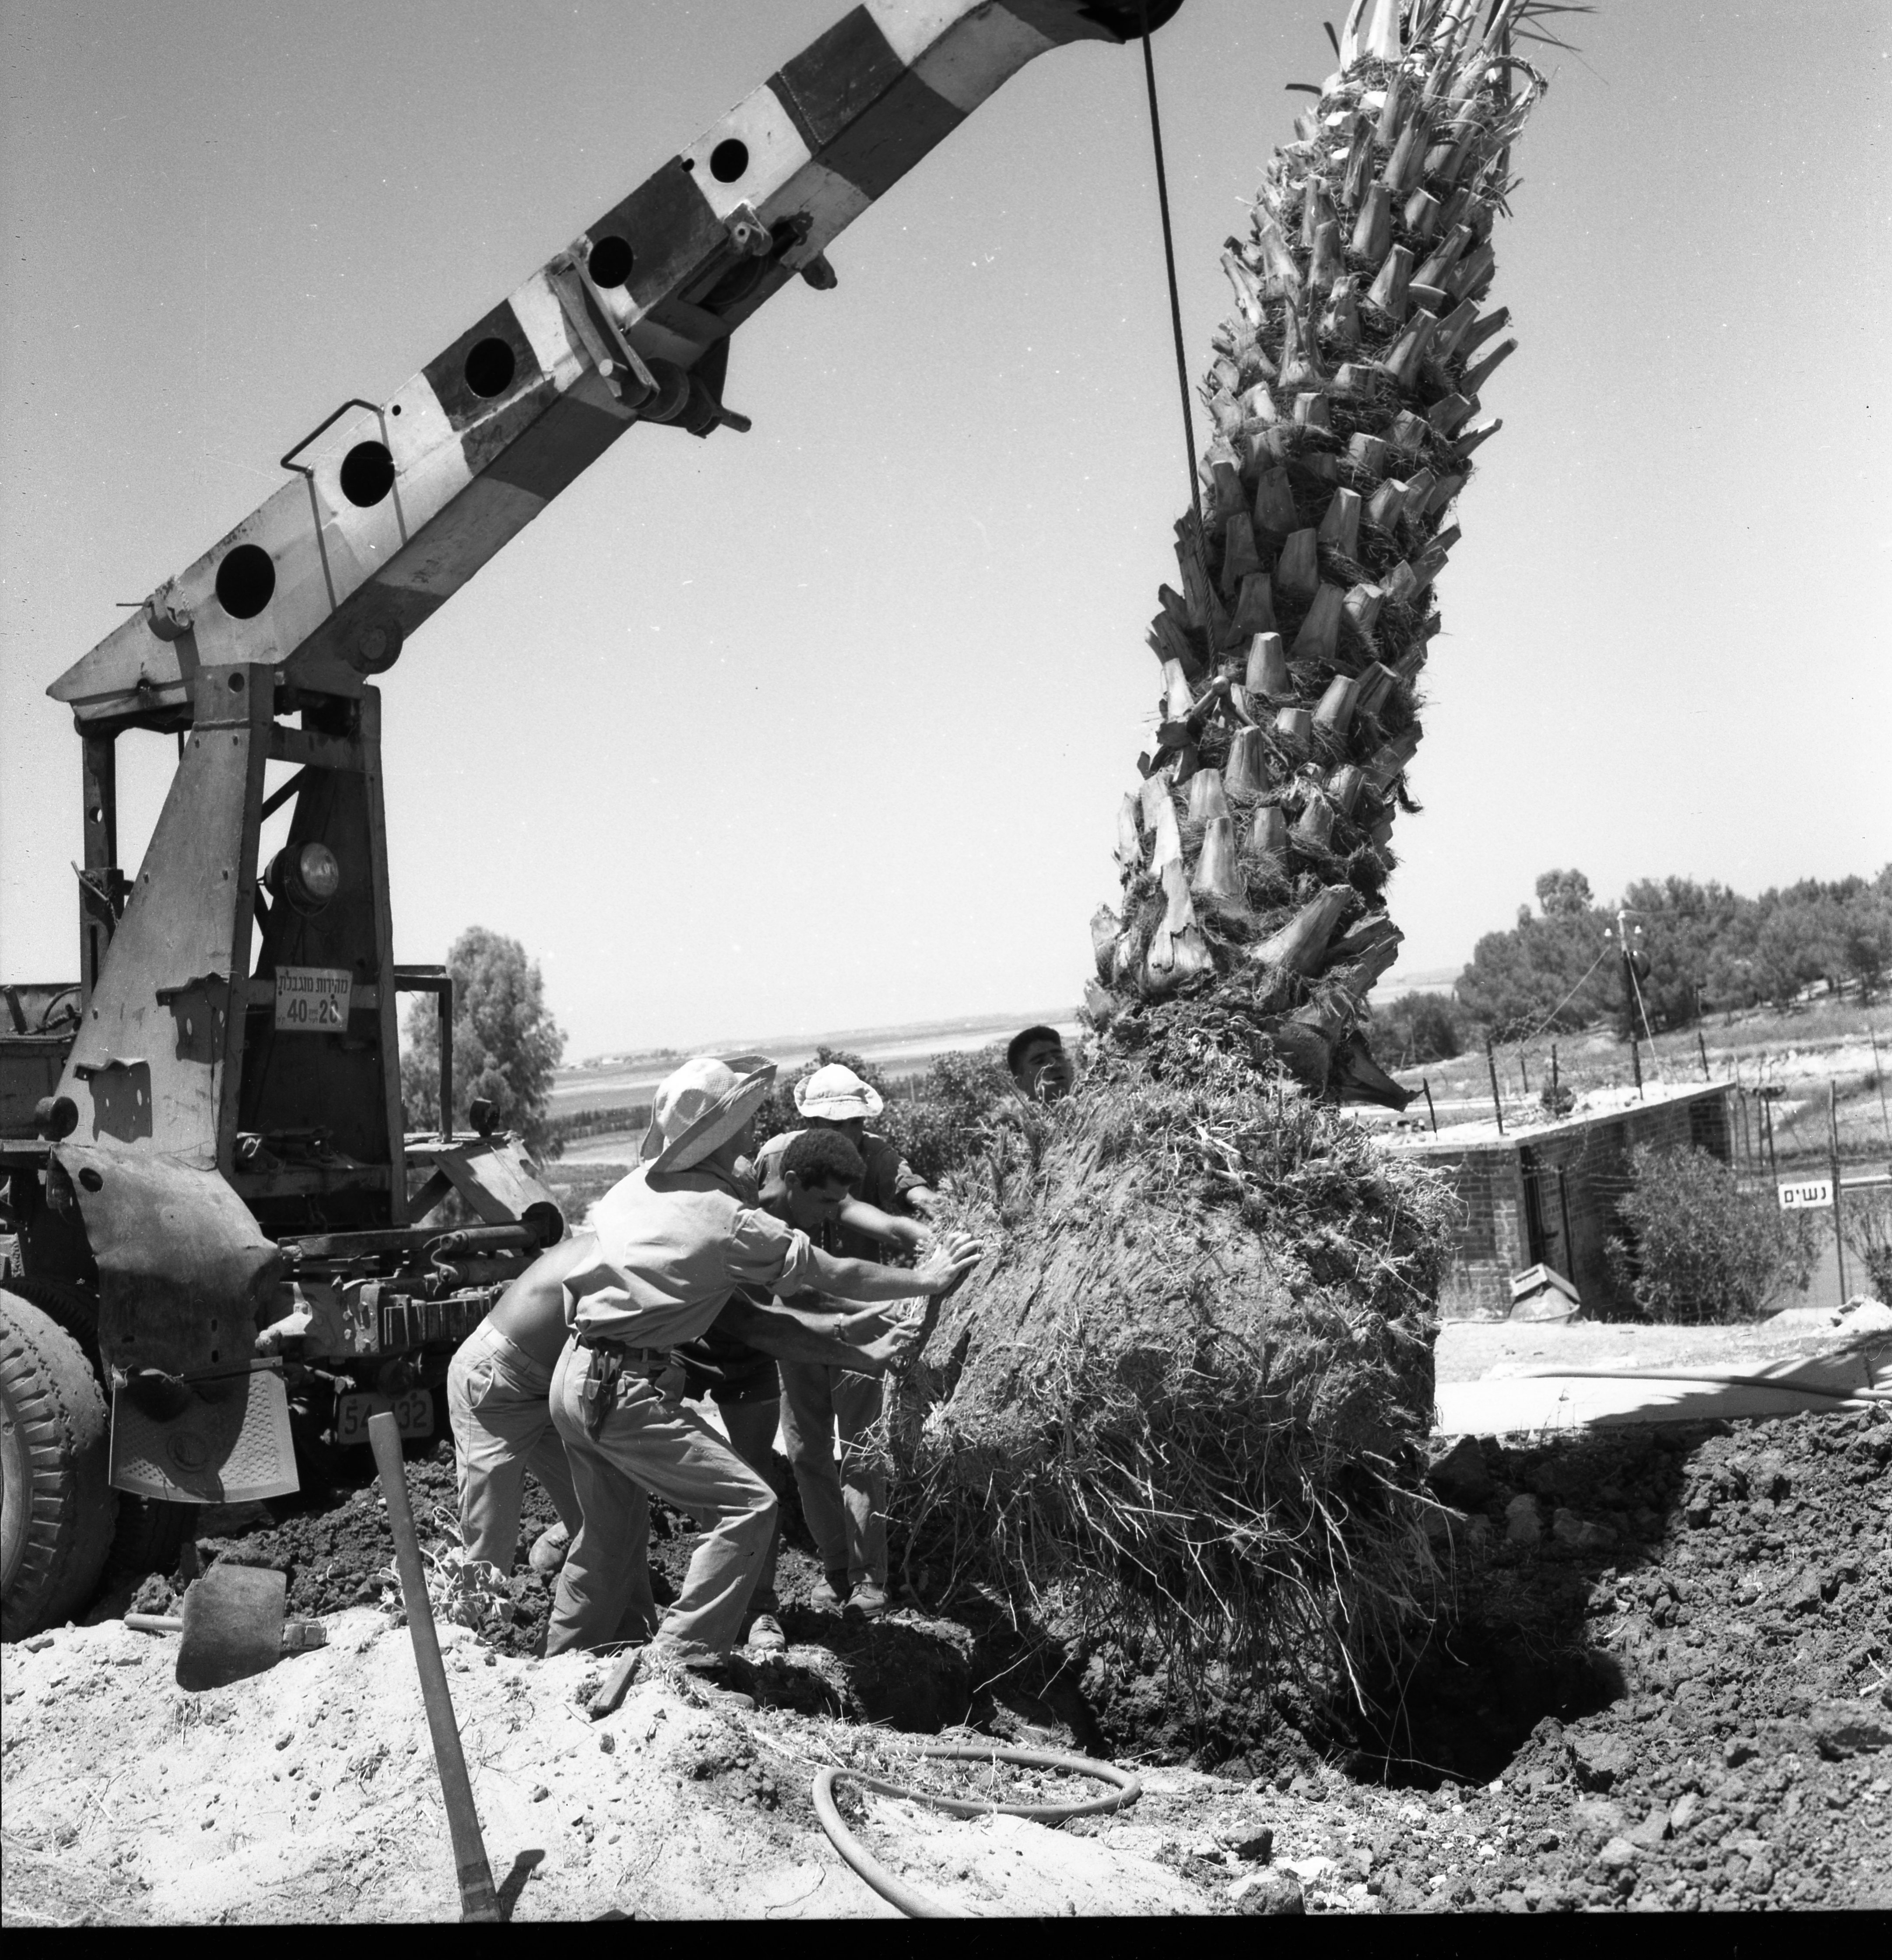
(1344, 395)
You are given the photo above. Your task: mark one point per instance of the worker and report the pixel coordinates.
(1039, 1064)
(669, 1245)
(497, 1386)
(829, 1414)
(742, 1380)
(835, 1098)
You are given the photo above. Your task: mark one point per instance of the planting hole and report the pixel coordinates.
(729, 160)
(246, 581)
(367, 474)
(490, 368)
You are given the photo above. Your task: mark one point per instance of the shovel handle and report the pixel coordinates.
(477, 1899)
(153, 1622)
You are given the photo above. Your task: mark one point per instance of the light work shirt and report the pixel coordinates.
(670, 1250)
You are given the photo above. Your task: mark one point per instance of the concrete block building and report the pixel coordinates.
(1550, 1193)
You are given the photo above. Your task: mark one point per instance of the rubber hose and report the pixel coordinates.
(916, 1904)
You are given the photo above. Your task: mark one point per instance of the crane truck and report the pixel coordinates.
(227, 1237)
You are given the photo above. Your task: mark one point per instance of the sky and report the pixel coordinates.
(826, 726)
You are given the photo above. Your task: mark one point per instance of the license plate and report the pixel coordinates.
(413, 1410)
(314, 999)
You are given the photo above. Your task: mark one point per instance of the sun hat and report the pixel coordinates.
(835, 1093)
(702, 1105)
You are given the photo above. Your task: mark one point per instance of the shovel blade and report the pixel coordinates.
(232, 1626)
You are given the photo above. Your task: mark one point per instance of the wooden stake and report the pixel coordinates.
(1448, 416)
(1418, 492)
(1297, 571)
(1359, 164)
(1360, 608)
(1341, 527)
(1390, 760)
(1311, 411)
(1294, 728)
(1257, 405)
(1248, 291)
(1448, 487)
(1422, 212)
(1328, 264)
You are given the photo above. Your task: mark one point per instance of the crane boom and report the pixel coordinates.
(392, 506)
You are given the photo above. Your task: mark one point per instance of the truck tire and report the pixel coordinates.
(57, 1512)
(151, 1531)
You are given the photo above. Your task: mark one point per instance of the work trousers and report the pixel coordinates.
(646, 1443)
(843, 1500)
(497, 1403)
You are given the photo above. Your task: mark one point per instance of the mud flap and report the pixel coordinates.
(215, 1440)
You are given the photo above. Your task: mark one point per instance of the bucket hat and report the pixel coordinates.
(835, 1093)
(702, 1105)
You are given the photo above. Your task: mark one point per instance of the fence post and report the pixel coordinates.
(1491, 1063)
(1833, 1146)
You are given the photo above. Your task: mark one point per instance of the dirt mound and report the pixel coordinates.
(1672, 1647)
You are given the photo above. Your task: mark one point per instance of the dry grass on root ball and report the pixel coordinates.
(1184, 1391)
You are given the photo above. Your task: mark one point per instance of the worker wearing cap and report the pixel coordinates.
(844, 1495)
(1039, 1064)
(669, 1245)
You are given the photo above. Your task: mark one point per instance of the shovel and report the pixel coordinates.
(232, 1627)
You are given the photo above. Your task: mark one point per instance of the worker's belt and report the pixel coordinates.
(609, 1359)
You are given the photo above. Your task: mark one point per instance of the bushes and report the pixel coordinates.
(1417, 1028)
(1701, 1249)
(1866, 1222)
(938, 1131)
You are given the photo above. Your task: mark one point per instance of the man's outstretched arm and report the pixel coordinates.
(870, 1343)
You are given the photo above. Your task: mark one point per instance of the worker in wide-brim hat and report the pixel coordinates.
(831, 1413)
(668, 1247)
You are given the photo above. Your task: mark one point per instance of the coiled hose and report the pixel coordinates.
(917, 1905)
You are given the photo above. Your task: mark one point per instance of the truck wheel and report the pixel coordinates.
(151, 1531)
(57, 1509)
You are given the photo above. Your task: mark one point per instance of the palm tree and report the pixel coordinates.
(1344, 395)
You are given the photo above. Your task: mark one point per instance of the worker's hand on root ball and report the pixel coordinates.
(946, 1271)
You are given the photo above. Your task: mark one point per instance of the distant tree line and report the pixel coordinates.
(1702, 948)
